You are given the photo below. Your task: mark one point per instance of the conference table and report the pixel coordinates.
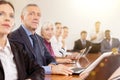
(91, 57)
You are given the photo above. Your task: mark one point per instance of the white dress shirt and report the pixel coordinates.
(99, 36)
(9, 67)
(57, 47)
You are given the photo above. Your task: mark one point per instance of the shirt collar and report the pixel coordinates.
(6, 46)
(83, 40)
(46, 41)
(26, 30)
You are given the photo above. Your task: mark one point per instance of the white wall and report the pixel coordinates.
(77, 14)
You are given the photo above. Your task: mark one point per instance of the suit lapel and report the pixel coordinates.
(25, 39)
(108, 45)
(113, 43)
(81, 44)
(2, 76)
(1, 67)
(17, 61)
(41, 48)
(27, 43)
(87, 44)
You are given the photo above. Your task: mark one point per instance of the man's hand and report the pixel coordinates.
(64, 60)
(28, 79)
(61, 69)
(93, 37)
(73, 55)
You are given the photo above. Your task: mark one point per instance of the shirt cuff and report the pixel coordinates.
(47, 69)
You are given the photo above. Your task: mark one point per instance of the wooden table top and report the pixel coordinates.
(90, 57)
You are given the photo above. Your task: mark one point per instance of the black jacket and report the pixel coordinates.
(78, 45)
(26, 67)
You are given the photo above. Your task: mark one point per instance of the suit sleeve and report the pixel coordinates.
(118, 45)
(76, 47)
(50, 59)
(104, 48)
(34, 71)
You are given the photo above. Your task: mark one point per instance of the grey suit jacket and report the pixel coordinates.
(106, 47)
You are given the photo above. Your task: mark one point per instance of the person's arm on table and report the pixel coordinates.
(60, 69)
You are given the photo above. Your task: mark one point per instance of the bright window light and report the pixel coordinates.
(94, 7)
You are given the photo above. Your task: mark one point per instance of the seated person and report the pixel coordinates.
(33, 43)
(81, 43)
(109, 43)
(65, 31)
(56, 42)
(47, 31)
(15, 64)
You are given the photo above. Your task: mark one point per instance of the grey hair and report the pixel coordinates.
(24, 9)
(45, 25)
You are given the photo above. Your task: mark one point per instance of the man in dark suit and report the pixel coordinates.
(33, 43)
(82, 43)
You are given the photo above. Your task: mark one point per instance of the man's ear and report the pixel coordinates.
(22, 17)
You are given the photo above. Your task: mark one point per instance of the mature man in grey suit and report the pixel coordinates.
(109, 43)
(33, 43)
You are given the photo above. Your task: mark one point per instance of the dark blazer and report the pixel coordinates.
(78, 45)
(20, 36)
(26, 67)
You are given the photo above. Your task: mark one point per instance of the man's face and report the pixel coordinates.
(65, 32)
(83, 36)
(97, 26)
(107, 35)
(31, 17)
(58, 29)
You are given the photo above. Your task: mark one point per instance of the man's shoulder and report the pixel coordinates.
(78, 40)
(15, 32)
(115, 39)
(104, 40)
(88, 41)
(16, 35)
(39, 37)
(15, 44)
